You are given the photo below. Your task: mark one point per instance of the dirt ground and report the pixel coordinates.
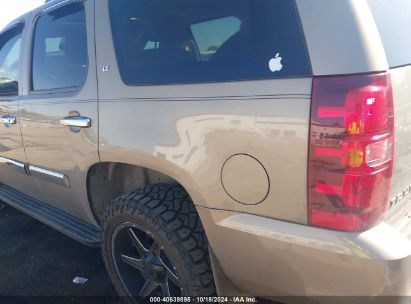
(38, 262)
(38, 265)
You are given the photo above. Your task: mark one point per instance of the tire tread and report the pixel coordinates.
(170, 209)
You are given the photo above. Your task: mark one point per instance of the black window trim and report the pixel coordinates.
(17, 24)
(46, 10)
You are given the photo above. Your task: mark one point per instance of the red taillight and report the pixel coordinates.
(351, 151)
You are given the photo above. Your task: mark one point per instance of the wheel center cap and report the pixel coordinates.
(154, 269)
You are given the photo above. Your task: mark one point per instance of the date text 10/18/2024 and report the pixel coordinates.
(239, 299)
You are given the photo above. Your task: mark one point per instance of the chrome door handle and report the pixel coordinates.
(8, 119)
(76, 121)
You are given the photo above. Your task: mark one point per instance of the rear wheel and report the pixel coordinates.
(154, 245)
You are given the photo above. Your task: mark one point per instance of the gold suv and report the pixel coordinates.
(255, 147)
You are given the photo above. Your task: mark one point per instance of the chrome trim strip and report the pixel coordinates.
(20, 167)
(51, 176)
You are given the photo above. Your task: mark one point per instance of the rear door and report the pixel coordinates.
(59, 107)
(12, 156)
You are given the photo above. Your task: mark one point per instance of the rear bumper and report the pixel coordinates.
(268, 258)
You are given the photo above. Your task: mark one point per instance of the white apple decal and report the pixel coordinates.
(275, 63)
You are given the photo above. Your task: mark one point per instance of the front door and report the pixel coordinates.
(58, 111)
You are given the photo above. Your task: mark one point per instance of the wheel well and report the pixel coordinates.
(109, 180)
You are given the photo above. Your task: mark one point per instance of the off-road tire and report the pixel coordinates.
(168, 212)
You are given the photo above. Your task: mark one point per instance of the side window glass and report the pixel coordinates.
(178, 42)
(211, 35)
(60, 49)
(10, 43)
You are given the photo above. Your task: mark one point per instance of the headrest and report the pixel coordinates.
(164, 28)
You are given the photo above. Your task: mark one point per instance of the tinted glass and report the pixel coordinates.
(393, 19)
(60, 49)
(10, 43)
(211, 35)
(186, 41)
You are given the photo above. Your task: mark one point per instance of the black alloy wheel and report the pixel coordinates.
(135, 249)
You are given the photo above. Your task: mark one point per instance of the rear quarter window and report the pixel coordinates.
(185, 41)
(393, 18)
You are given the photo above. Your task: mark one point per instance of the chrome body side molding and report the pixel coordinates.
(51, 176)
(20, 167)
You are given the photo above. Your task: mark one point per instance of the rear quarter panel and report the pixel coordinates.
(190, 136)
(189, 131)
(341, 36)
